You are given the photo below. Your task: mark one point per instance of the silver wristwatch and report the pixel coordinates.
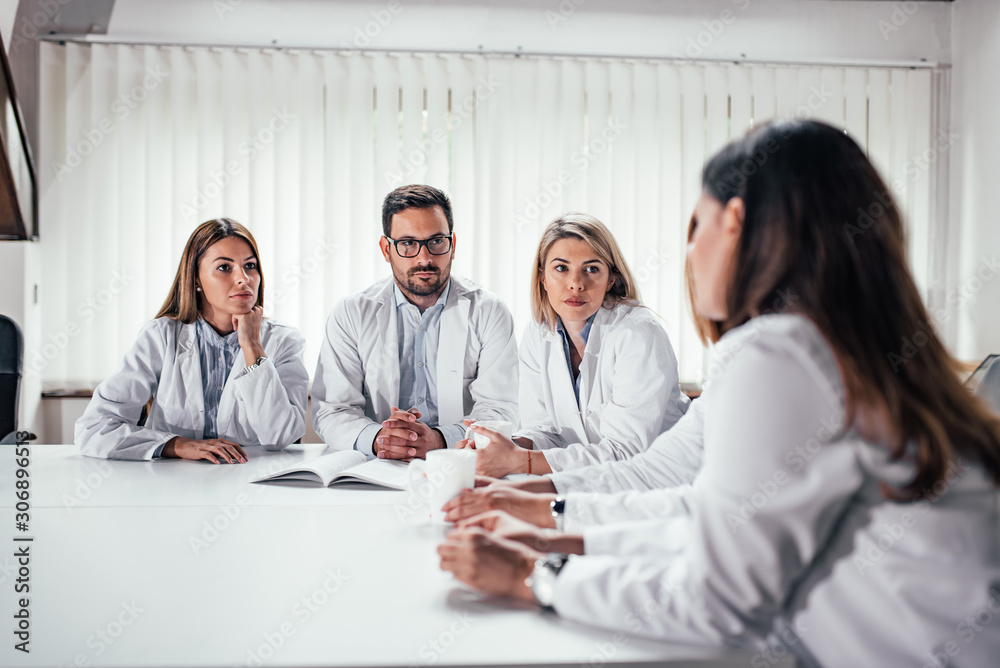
(542, 580)
(558, 508)
(256, 364)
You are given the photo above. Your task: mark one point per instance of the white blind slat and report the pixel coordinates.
(917, 172)
(694, 154)
(597, 173)
(856, 104)
(672, 221)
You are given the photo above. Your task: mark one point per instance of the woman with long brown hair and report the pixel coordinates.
(847, 508)
(213, 373)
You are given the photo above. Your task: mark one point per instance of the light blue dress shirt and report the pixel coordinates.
(585, 333)
(418, 334)
(217, 355)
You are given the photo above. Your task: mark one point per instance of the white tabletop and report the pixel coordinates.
(174, 563)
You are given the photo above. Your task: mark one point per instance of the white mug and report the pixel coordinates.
(482, 440)
(441, 478)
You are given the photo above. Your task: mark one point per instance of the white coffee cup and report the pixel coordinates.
(441, 477)
(482, 440)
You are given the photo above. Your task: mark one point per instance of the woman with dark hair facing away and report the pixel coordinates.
(598, 376)
(214, 374)
(847, 508)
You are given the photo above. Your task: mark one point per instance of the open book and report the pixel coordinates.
(345, 466)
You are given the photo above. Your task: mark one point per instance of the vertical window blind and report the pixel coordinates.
(140, 144)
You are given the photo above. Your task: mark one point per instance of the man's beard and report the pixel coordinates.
(421, 287)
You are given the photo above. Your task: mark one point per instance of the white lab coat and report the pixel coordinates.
(658, 481)
(264, 407)
(653, 482)
(357, 376)
(629, 391)
(787, 545)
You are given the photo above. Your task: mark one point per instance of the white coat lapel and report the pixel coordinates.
(383, 374)
(589, 366)
(561, 381)
(452, 343)
(189, 380)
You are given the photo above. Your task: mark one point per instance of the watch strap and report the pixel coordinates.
(256, 364)
(558, 509)
(543, 577)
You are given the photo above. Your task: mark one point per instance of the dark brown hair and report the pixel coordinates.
(182, 302)
(414, 197)
(821, 225)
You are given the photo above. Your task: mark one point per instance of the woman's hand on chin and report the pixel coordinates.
(247, 327)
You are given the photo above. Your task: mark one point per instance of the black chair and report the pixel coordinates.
(988, 388)
(11, 351)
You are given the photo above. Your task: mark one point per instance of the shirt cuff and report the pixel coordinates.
(452, 433)
(559, 481)
(159, 449)
(552, 459)
(365, 443)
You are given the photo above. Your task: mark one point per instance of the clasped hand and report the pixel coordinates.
(404, 437)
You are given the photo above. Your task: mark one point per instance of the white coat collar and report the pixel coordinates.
(604, 320)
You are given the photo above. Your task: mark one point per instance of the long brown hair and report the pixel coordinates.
(585, 228)
(821, 224)
(182, 302)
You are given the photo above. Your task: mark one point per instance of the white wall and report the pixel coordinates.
(794, 30)
(8, 10)
(975, 175)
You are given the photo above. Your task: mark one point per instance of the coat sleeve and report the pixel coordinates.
(588, 509)
(536, 413)
(338, 385)
(270, 406)
(758, 523)
(645, 401)
(108, 427)
(494, 390)
(674, 458)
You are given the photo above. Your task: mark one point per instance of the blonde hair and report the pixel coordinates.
(598, 236)
(182, 302)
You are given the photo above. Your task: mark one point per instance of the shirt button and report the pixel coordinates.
(420, 363)
(420, 400)
(219, 388)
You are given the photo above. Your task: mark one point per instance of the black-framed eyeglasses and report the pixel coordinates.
(411, 247)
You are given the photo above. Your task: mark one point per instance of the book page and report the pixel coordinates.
(322, 469)
(384, 472)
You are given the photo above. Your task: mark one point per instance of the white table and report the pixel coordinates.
(172, 563)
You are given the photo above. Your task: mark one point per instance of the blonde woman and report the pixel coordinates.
(598, 377)
(220, 376)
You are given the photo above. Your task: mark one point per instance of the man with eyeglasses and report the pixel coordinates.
(406, 360)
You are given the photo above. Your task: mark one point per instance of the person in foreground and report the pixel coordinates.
(598, 376)
(214, 374)
(847, 508)
(436, 344)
